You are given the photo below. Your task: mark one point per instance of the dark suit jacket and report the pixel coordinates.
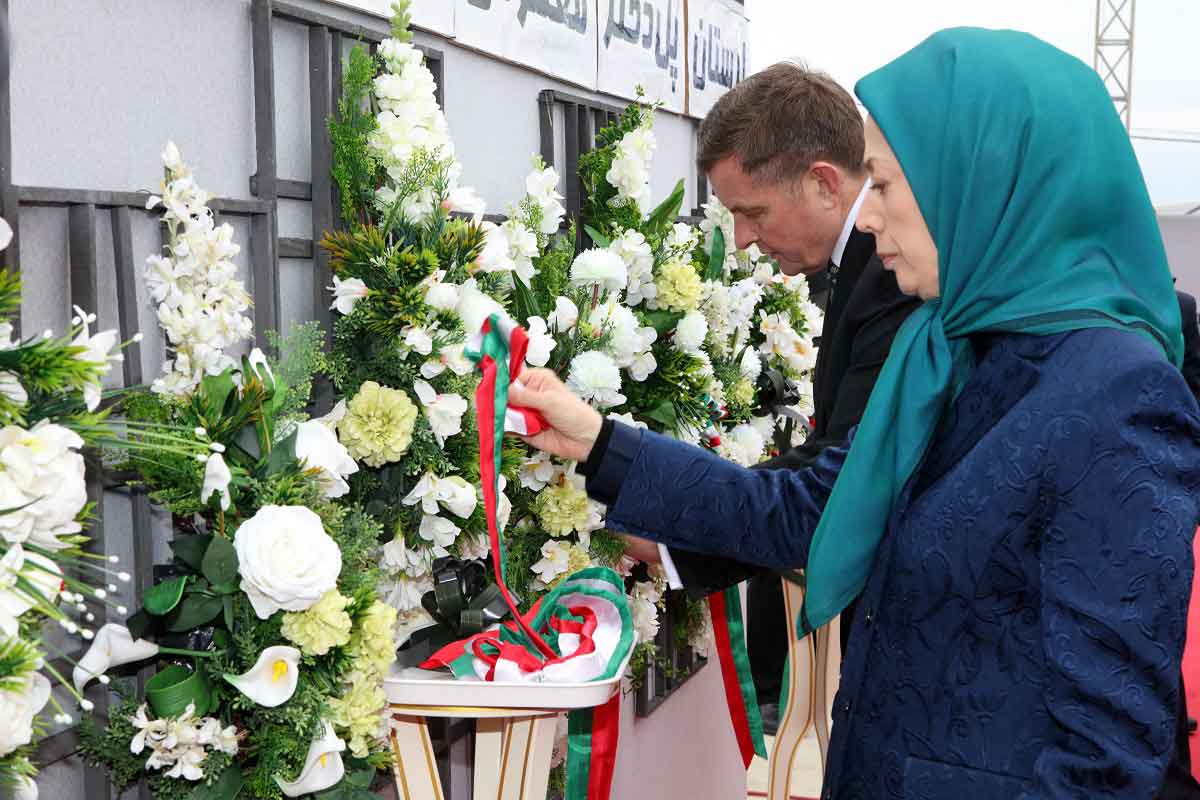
(864, 312)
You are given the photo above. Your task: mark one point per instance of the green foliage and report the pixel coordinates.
(673, 396)
(300, 355)
(554, 271)
(606, 549)
(354, 168)
(401, 19)
(594, 166)
(108, 748)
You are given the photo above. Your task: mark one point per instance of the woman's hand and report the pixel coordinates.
(574, 425)
(641, 549)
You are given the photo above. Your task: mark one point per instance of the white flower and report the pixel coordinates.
(286, 559)
(10, 387)
(26, 580)
(540, 342)
(113, 646)
(763, 273)
(6, 234)
(474, 548)
(681, 239)
(595, 378)
(397, 557)
(564, 316)
(439, 294)
(465, 200)
(261, 366)
(538, 470)
(643, 366)
(318, 447)
(96, 350)
(444, 411)
(555, 561)
(510, 247)
(452, 493)
(627, 339)
(634, 250)
(599, 267)
(450, 356)
(690, 332)
(643, 608)
(334, 416)
(347, 293)
(750, 366)
(18, 707)
(542, 187)
(439, 530)
(626, 419)
(417, 340)
(322, 768)
(216, 480)
(630, 170)
(26, 788)
(272, 680)
(42, 480)
(474, 307)
(743, 445)
(782, 341)
(403, 592)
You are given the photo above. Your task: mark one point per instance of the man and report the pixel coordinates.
(783, 150)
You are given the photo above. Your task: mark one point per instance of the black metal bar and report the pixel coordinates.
(127, 302)
(81, 238)
(320, 107)
(264, 231)
(437, 66)
(335, 90)
(295, 248)
(55, 196)
(286, 189)
(566, 97)
(546, 125)
(9, 259)
(574, 186)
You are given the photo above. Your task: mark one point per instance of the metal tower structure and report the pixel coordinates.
(1113, 55)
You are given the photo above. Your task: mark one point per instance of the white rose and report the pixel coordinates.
(17, 710)
(286, 559)
(42, 480)
(601, 267)
(690, 332)
(318, 446)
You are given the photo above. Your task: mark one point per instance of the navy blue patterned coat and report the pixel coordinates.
(1021, 632)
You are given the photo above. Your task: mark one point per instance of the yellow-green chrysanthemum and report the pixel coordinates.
(577, 559)
(378, 425)
(356, 713)
(323, 626)
(679, 286)
(742, 392)
(374, 648)
(562, 509)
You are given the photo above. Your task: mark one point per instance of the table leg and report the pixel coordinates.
(489, 748)
(800, 701)
(414, 767)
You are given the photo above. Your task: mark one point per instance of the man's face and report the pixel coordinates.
(796, 221)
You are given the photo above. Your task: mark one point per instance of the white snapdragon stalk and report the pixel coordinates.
(541, 187)
(633, 249)
(200, 301)
(630, 170)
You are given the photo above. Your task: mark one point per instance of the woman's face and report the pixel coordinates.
(890, 211)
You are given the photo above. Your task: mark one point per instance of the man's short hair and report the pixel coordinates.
(777, 122)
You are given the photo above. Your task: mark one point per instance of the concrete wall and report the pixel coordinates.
(99, 85)
(1181, 235)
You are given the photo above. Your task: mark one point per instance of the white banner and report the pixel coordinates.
(431, 15)
(642, 44)
(717, 51)
(557, 37)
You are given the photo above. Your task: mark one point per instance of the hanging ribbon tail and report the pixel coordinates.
(730, 640)
(592, 750)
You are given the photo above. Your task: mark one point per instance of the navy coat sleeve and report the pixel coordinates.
(684, 496)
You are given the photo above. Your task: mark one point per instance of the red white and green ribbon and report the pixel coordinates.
(729, 635)
(582, 630)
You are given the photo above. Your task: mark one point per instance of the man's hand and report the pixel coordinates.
(641, 549)
(574, 425)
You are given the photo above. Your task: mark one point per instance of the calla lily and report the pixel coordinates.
(260, 365)
(272, 680)
(216, 480)
(323, 766)
(113, 646)
(444, 411)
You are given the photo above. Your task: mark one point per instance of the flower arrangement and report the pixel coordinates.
(50, 410)
(269, 640)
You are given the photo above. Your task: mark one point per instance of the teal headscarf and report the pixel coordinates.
(1029, 186)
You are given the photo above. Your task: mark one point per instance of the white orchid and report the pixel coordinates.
(538, 471)
(564, 316)
(216, 480)
(97, 350)
(322, 768)
(418, 340)
(438, 530)
(450, 357)
(318, 447)
(444, 411)
(453, 493)
(347, 293)
(113, 646)
(272, 680)
(541, 343)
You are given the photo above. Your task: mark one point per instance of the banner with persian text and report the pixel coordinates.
(717, 51)
(431, 15)
(557, 37)
(642, 43)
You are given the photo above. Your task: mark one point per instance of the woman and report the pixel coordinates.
(1016, 509)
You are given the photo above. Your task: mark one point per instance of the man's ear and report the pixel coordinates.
(827, 178)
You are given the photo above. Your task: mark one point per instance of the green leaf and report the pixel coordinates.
(220, 563)
(194, 611)
(138, 623)
(227, 608)
(214, 393)
(667, 210)
(598, 238)
(716, 258)
(227, 786)
(663, 413)
(526, 304)
(283, 454)
(190, 548)
(362, 777)
(163, 597)
(663, 322)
